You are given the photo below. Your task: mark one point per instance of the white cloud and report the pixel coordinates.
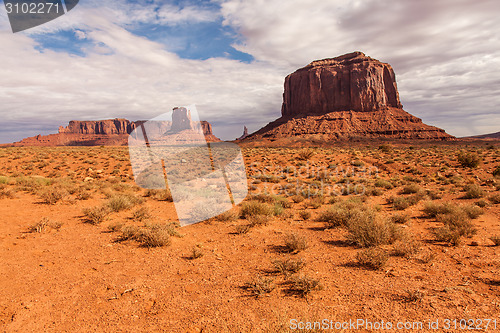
(445, 52)
(136, 79)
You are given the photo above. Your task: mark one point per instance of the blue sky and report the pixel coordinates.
(138, 59)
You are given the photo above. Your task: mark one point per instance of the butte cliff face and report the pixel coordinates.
(345, 97)
(110, 132)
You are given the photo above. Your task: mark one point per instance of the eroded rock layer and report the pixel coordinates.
(344, 97)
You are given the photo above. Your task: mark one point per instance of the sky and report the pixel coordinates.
(139, 59)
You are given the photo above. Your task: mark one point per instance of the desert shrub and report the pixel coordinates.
(159, 195)
(253, 207)
(457, 224)
(472, 211)
(373, 258)
(52, 195)
(43, 224)
(433, 209)
(401, 203)
(96, 215)
(304, 214)
(243, 228)
(357, 163)
(122, 202)
(115, 226)
(367, 230)
(82, 194)
(400, 218)
(288, 266)
(196, 252)
(230, 215)
(6, 193)
(260, 286)
(297, 198)
(410, 189)
(154, 236)
(496, 172)
(407, 248)
(305, 154)
(494, 198)
(258, 220)
(374, 191)
(342, 212)
(304, 284)
(414, 296)
(129, 232)
(269, 178)
(481, 203)
(495, 239)
(295, 243)
(316, 202)
(473, 191)
(283, 202)
(32, 184)
(468, 160)
(263, 197)
(384, 184)
(385, 148)
(141, 214)
(434, 195)
(448, 235)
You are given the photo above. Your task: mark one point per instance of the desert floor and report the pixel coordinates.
(393, 233)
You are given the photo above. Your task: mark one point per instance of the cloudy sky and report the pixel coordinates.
(138, 59)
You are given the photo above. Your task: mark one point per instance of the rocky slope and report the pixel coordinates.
(110, 132)
(345, 97)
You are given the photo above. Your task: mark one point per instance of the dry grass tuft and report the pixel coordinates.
(373, 258)
(304, 284)
(260, 286)
(295, 243)
(96, 215)
(44, 224)
(288, 266)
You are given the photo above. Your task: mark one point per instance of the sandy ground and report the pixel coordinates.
(80, 277)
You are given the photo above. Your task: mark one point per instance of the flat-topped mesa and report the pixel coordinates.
(109, 127)
(111, 132)
(351, 82)
(348, 97)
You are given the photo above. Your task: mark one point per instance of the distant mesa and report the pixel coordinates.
(351, 96)
(110, 132)
(492, 136)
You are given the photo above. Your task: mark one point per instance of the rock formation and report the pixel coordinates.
(245, 133)
(110, 132)
(345, 97)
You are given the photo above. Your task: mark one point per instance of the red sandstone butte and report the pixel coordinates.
(110, 132)
(345, 97)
